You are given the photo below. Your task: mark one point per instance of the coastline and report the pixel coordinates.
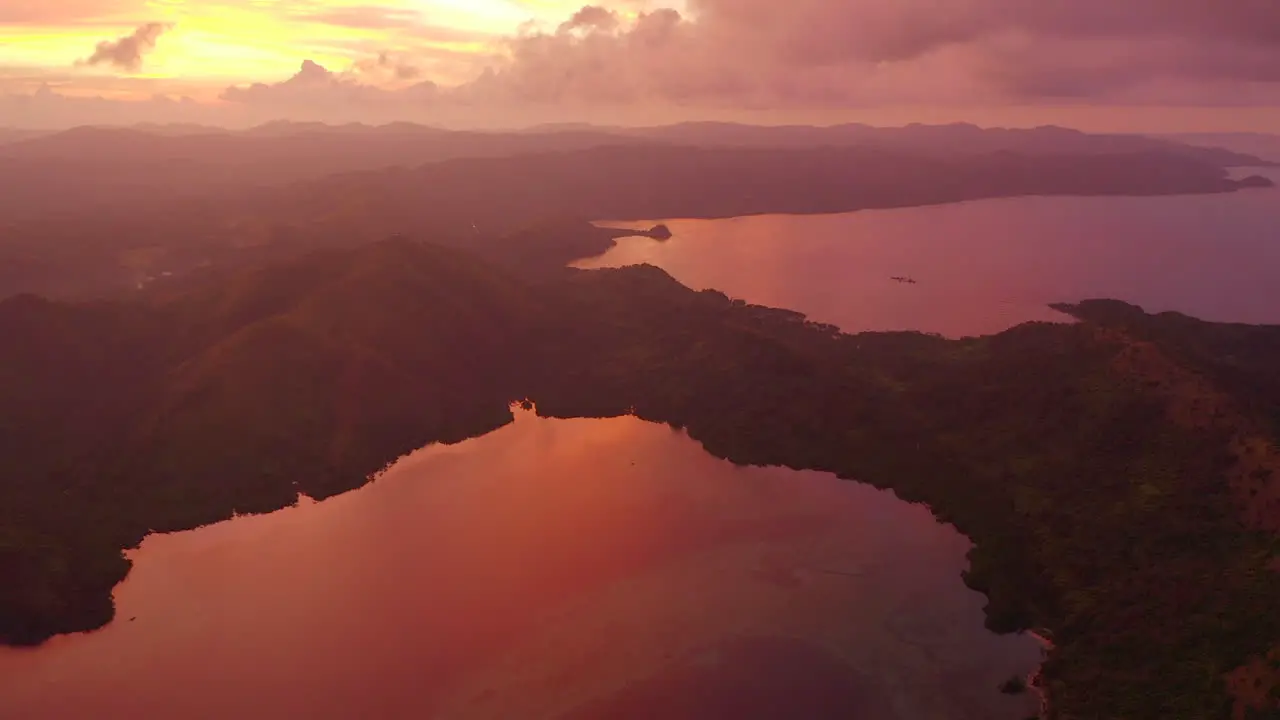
(987, 432)
(1036, 682)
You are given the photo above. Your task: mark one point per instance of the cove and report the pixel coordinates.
(984, 266)
(552, 569)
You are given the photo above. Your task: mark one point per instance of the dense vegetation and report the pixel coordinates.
(94, 211)
(1102, 468)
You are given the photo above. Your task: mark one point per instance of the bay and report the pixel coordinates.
(984, 266)
(552, 569)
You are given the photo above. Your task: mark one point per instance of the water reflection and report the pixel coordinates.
(985, 266)
(578, 569)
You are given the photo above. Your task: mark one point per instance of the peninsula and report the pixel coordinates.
(149, 203)
(1117, 475)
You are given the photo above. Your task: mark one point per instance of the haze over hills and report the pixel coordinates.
(13, 135)
(283, 151)
(246, 331)
(622, 182)
(1261, 145)
(1117, 474)
(128, 169)
(93, 210)
(953, 139)
(236, 272)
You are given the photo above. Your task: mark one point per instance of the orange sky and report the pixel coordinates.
(214, 43)
(1153, 65)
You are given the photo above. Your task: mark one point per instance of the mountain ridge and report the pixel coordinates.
(1096, 511)
(234, 199)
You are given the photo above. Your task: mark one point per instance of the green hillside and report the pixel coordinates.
(1115, 474)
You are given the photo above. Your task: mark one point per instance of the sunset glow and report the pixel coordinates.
(216, 41)
(1186, 64)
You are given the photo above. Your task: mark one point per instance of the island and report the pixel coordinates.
(1256, 181)
(1118, 475)
(658, 232)
(235, 201)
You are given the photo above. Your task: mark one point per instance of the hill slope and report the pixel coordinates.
(95, 211)
(956, 139)
(630, 183)
(1116, 474)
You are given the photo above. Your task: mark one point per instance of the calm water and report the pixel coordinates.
(607, 569)
(583, 569)
(985, 266)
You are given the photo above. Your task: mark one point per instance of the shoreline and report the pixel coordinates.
(1035, 681)
(985, 432)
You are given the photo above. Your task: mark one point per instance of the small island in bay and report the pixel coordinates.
(228, 204)
(1256, 181)
(658, 232)
(507, 360)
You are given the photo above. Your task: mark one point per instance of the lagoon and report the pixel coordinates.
(583, 569)
(984, 266)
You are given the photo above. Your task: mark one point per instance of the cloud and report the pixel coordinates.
(759, 54)
(366, 17)
(127, 53)
(387, 21)
(591, 17)
(398, 65)
(875, 31)
(714, 56)
(315, 87)
(20, 12)
(862, 52)
(45, 107)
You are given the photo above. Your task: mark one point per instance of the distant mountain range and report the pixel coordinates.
(1266, 147)
(943, 140)
(11, 135)
(247, 332)
(626, 182)
(280, 153)
(98, 210)
(285, 151)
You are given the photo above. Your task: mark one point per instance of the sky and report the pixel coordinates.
(1126, 65)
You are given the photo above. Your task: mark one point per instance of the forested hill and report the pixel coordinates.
(284, 152)
(498, 195)
(1117, 474)
(85, 226)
